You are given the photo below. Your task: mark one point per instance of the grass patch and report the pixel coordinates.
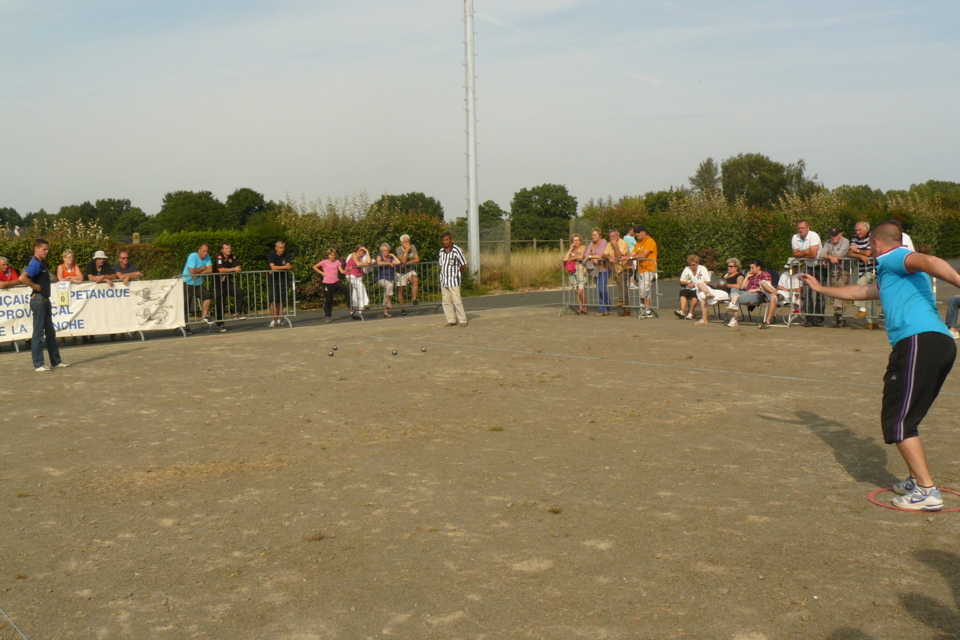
(495, 429)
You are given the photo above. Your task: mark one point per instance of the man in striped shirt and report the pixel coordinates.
(452, 263)
(860, 249)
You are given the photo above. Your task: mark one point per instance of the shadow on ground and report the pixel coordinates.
(943, 619)
(861, 457)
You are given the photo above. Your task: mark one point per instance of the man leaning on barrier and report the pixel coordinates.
(860, 249)
(198, 264)
(407, 255)
(833, 252)
(226, 286)
(386, 274)
(646, 268)
(617, 254)
(99, 271)
(126, 270)
(805, 245)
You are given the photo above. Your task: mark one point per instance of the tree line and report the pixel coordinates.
(542, 212)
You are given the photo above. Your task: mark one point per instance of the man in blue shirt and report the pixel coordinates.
(37, 277)
(923, 351)
(198, 263)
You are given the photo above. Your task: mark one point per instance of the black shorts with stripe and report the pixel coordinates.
(917, 369)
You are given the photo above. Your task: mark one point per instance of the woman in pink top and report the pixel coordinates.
(330, 270)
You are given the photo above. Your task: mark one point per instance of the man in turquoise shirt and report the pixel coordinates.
(198, 263)
(923, 351)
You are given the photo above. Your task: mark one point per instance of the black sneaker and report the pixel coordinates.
(403, 312)
(223, 329)
(416, 303)
(187, 331)
(207, 320)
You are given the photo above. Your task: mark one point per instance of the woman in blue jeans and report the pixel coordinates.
(596, 265)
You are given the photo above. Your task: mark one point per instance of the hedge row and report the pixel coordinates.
(715, 230)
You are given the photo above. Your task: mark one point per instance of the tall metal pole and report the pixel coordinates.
(473, 215)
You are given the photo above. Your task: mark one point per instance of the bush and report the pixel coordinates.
(314, 227)
(251, 247)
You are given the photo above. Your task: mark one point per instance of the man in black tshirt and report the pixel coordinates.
(224, 285)
(280, 281)
(99, 271)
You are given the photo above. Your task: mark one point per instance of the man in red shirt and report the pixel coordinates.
(8, 275)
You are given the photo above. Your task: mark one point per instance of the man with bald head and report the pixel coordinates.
(923, 351)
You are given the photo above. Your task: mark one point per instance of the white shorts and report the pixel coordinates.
(645, 283)
(388, 285)
(404, 278)
(719, 295)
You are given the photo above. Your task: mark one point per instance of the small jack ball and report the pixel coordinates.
(424, 349)
(330, 353)
(394, 352)
(334, 347)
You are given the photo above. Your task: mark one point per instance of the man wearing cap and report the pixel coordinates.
(833, 252)
(646, 268)
(99, 271)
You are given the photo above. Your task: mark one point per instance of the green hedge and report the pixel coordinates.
(715, 230)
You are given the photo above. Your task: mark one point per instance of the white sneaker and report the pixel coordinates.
(62, 365)
(918, 500)
(905, 486)
(273, 323)
(41, 369)
(733, 322)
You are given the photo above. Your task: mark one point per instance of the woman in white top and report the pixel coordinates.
(692, 275)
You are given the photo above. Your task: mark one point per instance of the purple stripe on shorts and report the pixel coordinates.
(907, 386)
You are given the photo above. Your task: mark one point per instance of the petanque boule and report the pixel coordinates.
(330, 353)
(394, 352)
(424, 349)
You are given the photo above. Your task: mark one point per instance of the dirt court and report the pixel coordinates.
(530, 476)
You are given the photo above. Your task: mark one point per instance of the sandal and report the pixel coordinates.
(386, 314)
(702, 322)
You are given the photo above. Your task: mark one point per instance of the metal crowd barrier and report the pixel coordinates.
(370, 291)
(846, 271)
(241, 296)
(615, 291)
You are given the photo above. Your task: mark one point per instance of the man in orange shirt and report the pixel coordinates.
(645, 256)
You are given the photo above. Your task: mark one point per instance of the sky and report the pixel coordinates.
(129, 99)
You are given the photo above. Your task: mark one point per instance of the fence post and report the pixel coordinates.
(507, 246)
(561, 246)
(534, 244)
(573, 226)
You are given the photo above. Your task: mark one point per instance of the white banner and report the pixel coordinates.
(97, 309)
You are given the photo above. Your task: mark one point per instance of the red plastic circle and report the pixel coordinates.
(871, 497)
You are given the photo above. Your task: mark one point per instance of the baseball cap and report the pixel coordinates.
(835, 231)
